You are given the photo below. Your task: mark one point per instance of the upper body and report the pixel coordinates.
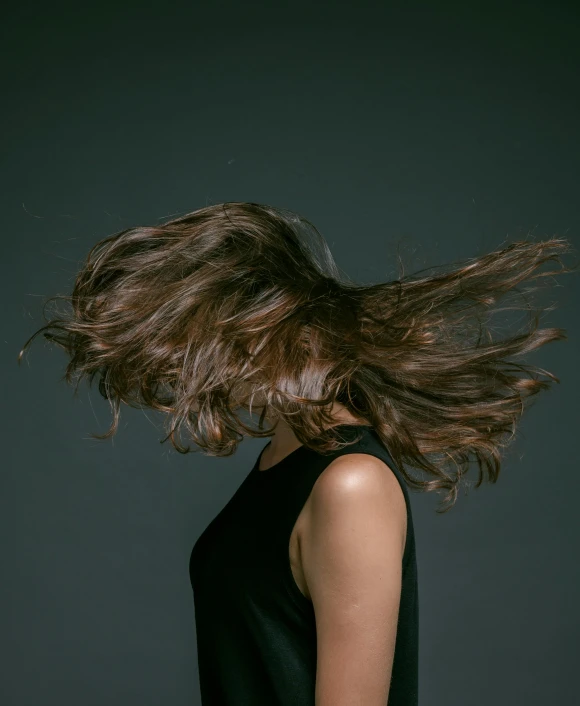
(317, 557)
(179, 316)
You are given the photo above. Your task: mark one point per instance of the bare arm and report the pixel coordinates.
(351, 550)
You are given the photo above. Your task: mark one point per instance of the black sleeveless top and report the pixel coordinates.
(256, 633)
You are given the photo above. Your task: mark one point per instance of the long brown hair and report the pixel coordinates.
(235, 302)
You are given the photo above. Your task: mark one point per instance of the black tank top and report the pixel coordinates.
(256, 632)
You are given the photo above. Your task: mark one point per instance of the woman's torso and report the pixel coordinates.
(255, 623)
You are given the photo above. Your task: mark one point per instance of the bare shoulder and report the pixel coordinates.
(357, 475)
(358, 484)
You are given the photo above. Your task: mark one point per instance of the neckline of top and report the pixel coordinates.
(292, 455)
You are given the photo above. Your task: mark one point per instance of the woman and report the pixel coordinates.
(305, 584)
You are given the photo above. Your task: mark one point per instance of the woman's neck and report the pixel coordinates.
(284, 440)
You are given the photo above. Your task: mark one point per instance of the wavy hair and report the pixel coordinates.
(203, 315)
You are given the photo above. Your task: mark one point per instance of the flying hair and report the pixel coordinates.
(241, 306)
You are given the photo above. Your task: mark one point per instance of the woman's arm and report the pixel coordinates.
(351, 550)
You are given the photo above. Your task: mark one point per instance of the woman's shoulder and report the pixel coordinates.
(361, 489)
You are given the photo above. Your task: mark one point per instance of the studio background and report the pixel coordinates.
(440, 129)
